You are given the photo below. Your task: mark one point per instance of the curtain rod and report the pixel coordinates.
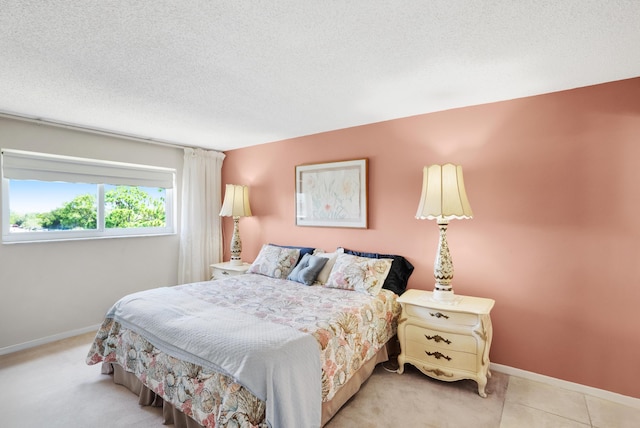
(42, 121)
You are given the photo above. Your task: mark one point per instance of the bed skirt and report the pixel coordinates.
(173, 416)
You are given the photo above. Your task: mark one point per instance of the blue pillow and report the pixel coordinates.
(303, 250)
(399, 274)
(307, 269)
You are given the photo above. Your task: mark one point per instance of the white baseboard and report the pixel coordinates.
(571, 386)
(48, 339)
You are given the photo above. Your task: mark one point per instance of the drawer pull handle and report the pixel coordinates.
(438, 339)
(439, 315)
(438, 355)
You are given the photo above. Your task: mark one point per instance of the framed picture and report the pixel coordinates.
(332, 194)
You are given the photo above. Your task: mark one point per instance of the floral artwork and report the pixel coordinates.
(332, 194)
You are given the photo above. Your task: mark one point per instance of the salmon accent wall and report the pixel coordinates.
(554, 183)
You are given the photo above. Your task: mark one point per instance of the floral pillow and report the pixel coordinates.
(401, 270)
(303, 250)
(362, 274)
(274, 261)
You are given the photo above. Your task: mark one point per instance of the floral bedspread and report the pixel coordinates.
(350, 328)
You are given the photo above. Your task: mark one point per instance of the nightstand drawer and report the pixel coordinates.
(225, 270)
(439, 339)
(442, 357)
(224, 273)
(441, 316)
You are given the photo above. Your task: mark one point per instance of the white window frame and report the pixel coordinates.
(24, 165)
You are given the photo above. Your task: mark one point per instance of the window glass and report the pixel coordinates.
(37, 206)
(51, 197)
(134, 207)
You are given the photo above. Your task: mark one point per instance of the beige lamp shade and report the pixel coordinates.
(443, 194)
(236, 201)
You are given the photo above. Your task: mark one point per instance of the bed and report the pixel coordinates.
(286, 344)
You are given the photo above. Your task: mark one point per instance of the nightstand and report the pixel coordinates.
(446, 341)
(226, 269)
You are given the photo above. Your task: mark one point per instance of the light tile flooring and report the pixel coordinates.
(534, 404)
(51, 386)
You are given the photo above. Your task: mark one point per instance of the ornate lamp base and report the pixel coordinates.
(443, 269)
(236, 244)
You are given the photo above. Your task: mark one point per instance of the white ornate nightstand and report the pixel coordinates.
(444, 341)
(226, 269)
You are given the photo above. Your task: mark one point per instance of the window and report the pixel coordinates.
(49, 197)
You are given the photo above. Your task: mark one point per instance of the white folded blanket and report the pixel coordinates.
(277, 363)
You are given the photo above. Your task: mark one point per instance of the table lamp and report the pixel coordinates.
(443, 198)
(236, 205)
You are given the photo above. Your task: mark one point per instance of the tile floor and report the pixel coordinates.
(534, 404)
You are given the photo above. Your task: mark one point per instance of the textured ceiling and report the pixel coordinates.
(229, 74)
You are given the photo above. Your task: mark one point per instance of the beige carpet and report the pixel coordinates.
(51, 386)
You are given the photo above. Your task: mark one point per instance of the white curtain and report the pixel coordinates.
(200, 227)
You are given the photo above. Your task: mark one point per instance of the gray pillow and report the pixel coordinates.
(307, 269)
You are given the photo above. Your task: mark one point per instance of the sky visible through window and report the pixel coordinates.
(28, 196)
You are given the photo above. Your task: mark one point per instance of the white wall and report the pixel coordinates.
(54, 289)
